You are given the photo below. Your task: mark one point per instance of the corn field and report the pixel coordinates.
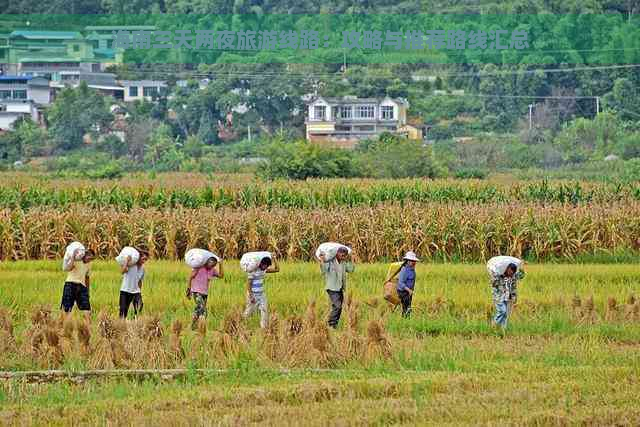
(313, 194)
(436, 231)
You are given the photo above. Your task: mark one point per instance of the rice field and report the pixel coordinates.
(569, 356)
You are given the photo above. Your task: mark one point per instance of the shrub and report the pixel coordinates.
(471, 173)
(395, 157)
(302, 160)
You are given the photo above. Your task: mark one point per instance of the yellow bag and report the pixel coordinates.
(390, 291)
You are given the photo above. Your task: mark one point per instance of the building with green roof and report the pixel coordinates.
(45, 53)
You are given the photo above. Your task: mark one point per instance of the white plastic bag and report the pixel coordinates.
(496, 266)
(330, 249)
(68, 259)
(128, 251)
(251, 260)
(196, 258)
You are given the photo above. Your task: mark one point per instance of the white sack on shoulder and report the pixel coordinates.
(68, 259)
(196, 258)
(496, 266)
(330, 249)
(251, 260)
(128, 251)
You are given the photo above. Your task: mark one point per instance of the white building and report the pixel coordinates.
(11, 110)
(348, 120)
(137, 90)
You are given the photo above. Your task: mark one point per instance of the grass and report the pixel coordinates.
(463, 288)
(558, 364)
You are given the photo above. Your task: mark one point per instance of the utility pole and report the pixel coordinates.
(530, 116)
(344, 62)
(249, 132)
(597, 105)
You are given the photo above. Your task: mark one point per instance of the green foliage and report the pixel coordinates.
(471, 173)
(75, 113)
(95, 166)
(193, 147)
(302, 160)
(111, 144)
(629, 146)
(395, 157)
(624, 99)
(31, 138)
(162, 154)
(632, 170)
(10, 149)
(582, 138)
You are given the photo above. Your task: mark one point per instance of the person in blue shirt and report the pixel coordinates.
(407, 282)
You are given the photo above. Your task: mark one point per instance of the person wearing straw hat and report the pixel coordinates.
(407, 281)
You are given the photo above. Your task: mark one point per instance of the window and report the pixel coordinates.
(387, 112)
(343, 128)
(320, 112)
(5, 94)
(76, 48)
(133, 91)
(346, 112)
(365, 128)
(19, 94)
(164, 90)
(364, 112)
(150, 91)
(95, 44)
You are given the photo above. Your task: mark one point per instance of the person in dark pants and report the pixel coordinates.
(335, 275)
(407, 282)
(76, 286)
(131, 289)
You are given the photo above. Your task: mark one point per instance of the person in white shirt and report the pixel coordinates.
(131, 289)
(256, 298)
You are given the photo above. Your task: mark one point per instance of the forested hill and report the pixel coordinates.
(326, 6)
(570, 98)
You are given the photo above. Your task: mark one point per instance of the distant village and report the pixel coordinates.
(35, 65)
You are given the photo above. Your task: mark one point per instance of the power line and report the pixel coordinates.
(239, 74)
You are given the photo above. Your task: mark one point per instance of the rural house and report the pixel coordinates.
(346, 121)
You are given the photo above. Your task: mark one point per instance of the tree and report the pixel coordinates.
(30, 138)
(76, 112)
(582, 138)
(197, 112)
(623, 99)
(137, 137)
(193, 146)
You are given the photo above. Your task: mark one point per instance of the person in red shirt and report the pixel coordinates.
(198, 287)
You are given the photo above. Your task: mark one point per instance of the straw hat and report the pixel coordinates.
(411, 256)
